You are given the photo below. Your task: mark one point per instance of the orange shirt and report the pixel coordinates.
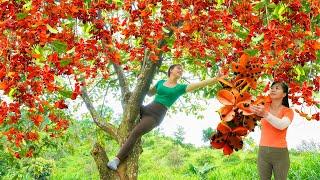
(271, 136)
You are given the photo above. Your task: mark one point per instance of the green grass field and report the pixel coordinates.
(186, 163)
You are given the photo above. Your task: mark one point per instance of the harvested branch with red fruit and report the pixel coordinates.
(237, 119)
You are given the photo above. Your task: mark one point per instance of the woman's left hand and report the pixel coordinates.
(259, 110)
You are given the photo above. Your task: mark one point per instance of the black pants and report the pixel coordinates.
(150, 117)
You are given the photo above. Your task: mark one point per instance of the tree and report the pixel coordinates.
(42, 42)
(179, 135)
(207, 133)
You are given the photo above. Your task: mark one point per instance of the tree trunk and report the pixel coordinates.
(100, 157)
(128, 169)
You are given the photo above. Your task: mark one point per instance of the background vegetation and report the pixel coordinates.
(162, 158)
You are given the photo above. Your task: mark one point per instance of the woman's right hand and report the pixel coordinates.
(140, 76)
(259, 110)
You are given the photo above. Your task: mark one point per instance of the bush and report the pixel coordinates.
(36, 168)
(175, 158)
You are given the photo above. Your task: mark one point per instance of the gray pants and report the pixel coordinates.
(274, 160)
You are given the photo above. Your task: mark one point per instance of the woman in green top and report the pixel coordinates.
(167, 92)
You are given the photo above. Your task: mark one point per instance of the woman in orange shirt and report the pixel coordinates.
(276, 116)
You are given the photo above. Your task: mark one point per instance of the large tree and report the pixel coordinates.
(44, 41)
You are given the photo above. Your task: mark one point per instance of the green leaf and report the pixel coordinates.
(87, 1)
(220, 2)
(299, 71)
(12, 91)
(242, 35)
(65, 62)
(272, 5)
(236, 23)
(259, 5)
(27, 6)
(65, 93)
(165, 30)
(37, 50)
(87, 27)
(21, 16)
(279, 11)
(71, 51)
(52, 30)
(137, 42)
(318, 57)
(306, 6)
(118, 2)
(258, 38)
(59, 46)
(251, 52)
(316, 20)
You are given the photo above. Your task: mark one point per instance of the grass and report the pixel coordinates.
(163, 159)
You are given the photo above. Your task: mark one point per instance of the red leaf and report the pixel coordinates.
(29, 153)
(266, 89)
(223, 128)
(32, 136)
(227, 113)
(235, 142)
(316, 116)
(37, 119)
(227, 150)
(240, 131)
(17, 155)
(217, 145)
(243, 98)
(60, 104)
(226, 97)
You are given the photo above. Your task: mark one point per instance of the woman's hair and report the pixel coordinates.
(172, 67)
(285, 88)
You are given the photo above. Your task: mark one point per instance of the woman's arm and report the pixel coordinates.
(197, 85)
(276, 122)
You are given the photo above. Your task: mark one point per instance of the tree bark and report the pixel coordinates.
(100, 157)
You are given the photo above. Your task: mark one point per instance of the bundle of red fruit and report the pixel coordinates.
(236, 118)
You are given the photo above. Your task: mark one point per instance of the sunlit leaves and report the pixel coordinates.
(59, 47)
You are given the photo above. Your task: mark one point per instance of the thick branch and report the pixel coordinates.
(100, 157)
(123, 83)
(132, 107)
(148, 73)
(107, 127)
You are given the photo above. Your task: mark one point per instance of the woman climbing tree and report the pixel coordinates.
(166, 93)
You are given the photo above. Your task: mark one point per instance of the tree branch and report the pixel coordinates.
(123, 84)
(133, 105)
(107, 127)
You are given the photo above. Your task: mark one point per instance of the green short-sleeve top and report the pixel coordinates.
(168, 95)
